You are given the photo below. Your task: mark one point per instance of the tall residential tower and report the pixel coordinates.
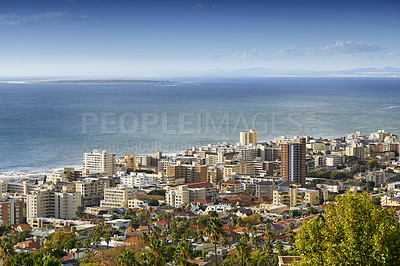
(293, 160)
(249, 137)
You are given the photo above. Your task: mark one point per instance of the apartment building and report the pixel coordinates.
(91, 190)
(117, 197)
(136, 179)
(293, 160)
(191, 173)
(358, 150)
(293, 196)
(231, 186)
(266, 189)
(48, 203)
(249, 137)
(99, 162)
(11, 211)
(179, 195)
(242, 168)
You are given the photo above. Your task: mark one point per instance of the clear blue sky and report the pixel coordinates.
(78, 37)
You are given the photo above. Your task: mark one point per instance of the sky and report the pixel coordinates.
(84, 37)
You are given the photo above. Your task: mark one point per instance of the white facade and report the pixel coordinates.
(136, 179)
(99, 162)
(218, 208)
(117, 197)
(334, 160)
(177, 196)
(119, 223)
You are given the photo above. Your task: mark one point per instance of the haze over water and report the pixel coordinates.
(51, 125)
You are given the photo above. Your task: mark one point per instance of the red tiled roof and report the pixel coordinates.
(241, 230)
(203, 201)
(230, 182)
(280, 236)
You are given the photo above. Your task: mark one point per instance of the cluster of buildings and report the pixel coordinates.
(273, 173)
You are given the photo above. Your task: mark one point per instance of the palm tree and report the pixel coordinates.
(96, 240)
(279, 247)
(87, 242)
(135, 223)
(243, 251)
(291, 239)
(214, 232)
(6, 252)
(107, 238)
(47, 261)
(200, 235)
(245, 238)
(224, 242)
(183, 253)
(157, 252)
(268, 247)
(127, 258)
(255, 240)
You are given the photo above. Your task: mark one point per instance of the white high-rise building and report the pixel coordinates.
(99, 162)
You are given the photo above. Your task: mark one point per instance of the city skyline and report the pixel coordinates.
(88, 38)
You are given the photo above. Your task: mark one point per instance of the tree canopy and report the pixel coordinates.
(353, 232)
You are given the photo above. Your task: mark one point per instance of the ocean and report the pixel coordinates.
(46, 126)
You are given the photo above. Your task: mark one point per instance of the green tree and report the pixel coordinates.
(135, 223)
(224, 242)
(242, 251)
(215, 232)
(80, 211)
(47, 261)
(6, 252)
(372, 164)
(107, 237)
(153, 202)
(160, 192)
(353, 232)
(182, 253)
(279, 247)
(127, 258)
(157, 252)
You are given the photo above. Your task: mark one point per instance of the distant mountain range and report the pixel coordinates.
(264, 72)
(163, 77)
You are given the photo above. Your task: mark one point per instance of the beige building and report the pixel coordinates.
(128, 161)
(390, 201)
(117, 197)
(49, 203)
(39, 222)
(92, 190)
(231, 186)
(293, 196)
(179, 195)
(242, 168)
(99, 162)
(249, 137)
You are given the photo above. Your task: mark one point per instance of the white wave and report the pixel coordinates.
(391, 107)
(30, 173)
